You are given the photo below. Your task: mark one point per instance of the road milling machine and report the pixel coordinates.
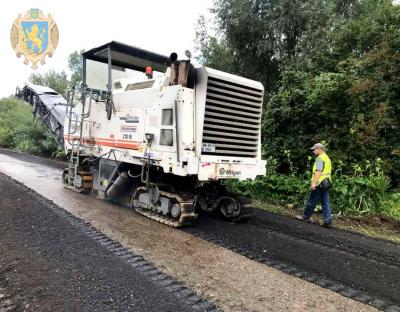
(156, 133)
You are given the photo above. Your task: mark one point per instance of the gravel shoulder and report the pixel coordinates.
(233, 282)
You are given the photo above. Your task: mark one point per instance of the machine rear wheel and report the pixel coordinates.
(230, 208)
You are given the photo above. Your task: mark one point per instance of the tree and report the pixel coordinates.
(263, 37)
(52, 79)
(75, 66)
(355, 111)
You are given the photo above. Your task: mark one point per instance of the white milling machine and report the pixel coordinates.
(161, 134)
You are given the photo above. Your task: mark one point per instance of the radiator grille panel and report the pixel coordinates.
(232, 118)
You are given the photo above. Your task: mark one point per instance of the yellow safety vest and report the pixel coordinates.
(327, 169)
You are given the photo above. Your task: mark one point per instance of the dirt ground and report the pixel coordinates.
(233, 282)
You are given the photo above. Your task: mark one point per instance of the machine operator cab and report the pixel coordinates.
(120, 71)
(141, 92)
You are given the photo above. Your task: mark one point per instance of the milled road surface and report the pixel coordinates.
(234, 282)
(47, 264)
(359, 267)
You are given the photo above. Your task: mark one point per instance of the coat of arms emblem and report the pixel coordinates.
(34, 36)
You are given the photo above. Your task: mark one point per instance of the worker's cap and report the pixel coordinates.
(318, 145)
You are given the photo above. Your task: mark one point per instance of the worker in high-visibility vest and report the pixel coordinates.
(320, 185)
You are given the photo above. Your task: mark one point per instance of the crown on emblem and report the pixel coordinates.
(34, 13)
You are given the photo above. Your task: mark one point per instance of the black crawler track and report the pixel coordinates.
(366, 275)
(136, 261)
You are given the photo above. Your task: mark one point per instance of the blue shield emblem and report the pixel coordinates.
(35, 36)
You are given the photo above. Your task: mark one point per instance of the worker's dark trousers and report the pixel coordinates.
(319, 194)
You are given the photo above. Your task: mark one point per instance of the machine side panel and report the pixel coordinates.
(201, 94)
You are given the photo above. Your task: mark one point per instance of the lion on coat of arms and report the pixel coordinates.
(35, 38)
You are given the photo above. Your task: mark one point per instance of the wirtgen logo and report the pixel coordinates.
(229, 172)
(34, 36)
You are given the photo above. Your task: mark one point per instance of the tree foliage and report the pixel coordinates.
(17, 130)
(52, 79)
(75, 66)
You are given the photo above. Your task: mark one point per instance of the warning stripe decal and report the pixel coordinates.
(110, 142)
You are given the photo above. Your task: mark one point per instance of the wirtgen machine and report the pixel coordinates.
(158, 133)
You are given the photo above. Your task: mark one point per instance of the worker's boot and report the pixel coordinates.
(303, 218)
(327, 225)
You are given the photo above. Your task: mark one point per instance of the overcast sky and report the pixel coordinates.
(159, 26)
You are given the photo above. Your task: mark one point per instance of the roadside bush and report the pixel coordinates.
(17, 130)
(275, 187)
(392, 205)
(365, 191)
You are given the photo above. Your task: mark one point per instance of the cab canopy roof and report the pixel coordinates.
(127, 56)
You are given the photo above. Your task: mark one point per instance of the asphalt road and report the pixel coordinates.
(48, 263)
